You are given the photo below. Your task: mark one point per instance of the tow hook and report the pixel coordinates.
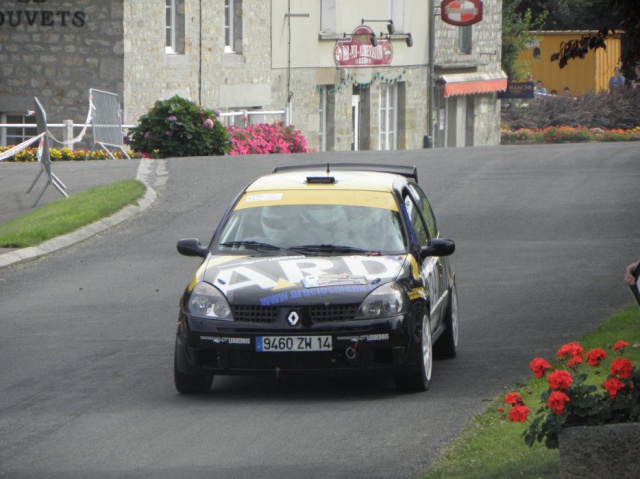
(352, 351)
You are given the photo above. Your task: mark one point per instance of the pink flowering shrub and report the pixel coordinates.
(266, 138)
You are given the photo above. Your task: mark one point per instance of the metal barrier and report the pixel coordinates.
(107, 122)
(43, 156)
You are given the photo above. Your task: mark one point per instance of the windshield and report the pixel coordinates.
(287, 226)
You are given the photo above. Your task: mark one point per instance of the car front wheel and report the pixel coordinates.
(190, 383)
(419, 380)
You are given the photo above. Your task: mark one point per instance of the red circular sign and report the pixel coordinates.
(461, 12)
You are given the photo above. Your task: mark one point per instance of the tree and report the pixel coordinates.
(517, 25)
(624, 18)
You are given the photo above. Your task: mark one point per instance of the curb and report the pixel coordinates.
(86, 232)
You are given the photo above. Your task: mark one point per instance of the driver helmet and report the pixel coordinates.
(280, 223)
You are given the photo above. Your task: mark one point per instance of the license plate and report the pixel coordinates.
(278, 344)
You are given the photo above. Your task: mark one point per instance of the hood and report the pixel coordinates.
(300, 280)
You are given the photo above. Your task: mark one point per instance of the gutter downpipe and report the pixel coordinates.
(430, 143)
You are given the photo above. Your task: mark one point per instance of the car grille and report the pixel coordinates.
(255, 314)
(339, 312)
(317, 314)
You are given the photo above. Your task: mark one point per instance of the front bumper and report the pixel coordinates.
(224, 347)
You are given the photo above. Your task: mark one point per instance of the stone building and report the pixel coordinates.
(260, 55)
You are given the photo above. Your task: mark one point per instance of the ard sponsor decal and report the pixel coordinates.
(350, 271)
(417, 293)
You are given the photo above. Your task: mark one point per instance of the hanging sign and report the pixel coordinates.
(461, 12)
(363, 49)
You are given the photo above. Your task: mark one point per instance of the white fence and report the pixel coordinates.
(231, 118)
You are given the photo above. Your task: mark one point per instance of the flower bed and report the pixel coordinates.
(64, 154)
(567, 134)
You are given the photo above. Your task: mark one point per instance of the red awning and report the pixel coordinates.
(474, 83)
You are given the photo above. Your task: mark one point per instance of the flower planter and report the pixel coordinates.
(611, 450)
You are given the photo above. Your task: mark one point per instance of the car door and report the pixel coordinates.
(430, 273)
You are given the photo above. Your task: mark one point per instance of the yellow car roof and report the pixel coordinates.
(344, 180)
(356, 188)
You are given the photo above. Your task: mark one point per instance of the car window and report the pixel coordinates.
(425, 207)
(369, 228)
(419, 228)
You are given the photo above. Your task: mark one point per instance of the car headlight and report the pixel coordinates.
(208, 302)
(387, 300)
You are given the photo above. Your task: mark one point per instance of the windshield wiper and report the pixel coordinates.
(331, 248)
(252, 245)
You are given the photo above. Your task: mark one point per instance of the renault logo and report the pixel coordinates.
(293, 318)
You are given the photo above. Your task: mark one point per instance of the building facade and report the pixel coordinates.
(256, 56)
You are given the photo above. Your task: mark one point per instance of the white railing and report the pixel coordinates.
(228, 118)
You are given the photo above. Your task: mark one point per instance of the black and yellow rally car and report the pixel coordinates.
(329, 268)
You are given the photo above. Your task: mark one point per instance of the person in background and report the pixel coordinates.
(628, 276)
(566, 91)
(617, 80)
(540, 88)
(635, 83)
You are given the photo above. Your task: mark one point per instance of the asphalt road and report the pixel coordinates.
(543, 234)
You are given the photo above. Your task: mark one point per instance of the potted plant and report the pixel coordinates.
(577, 395)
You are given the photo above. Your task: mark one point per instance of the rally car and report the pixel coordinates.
(322, 268)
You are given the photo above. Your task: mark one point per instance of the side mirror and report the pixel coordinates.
(192, 247)
(438, 247)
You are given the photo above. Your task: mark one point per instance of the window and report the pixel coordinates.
(427, 212)
(396, 13)
(328, 16)
(464, 39)
(388, 116)
(174, 26)
(326, 117)
(233, 26)
(418, 226)
(16, 134)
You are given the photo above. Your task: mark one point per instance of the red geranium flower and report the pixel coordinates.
(500, 409)
(613, 385)
(596, 356)
(513, 399)
(621, 368)
(620, 345)
(539, 367)
(556, 401)
(573, 351)
(518, 413)
(559, 379)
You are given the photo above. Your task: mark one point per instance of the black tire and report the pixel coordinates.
(419, 380)
(190, 383)
(446, 346)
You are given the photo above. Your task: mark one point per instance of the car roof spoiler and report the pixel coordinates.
(407, 171)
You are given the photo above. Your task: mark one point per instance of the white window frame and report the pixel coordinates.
(322, 128)
(388, 117)
(170, 27)
(16, 118)
(328, 16)
(229, 20)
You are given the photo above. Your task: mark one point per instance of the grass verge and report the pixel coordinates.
(491, 447)
(69, 214)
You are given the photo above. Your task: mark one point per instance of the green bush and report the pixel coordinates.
(179, 127)
(607, 110)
